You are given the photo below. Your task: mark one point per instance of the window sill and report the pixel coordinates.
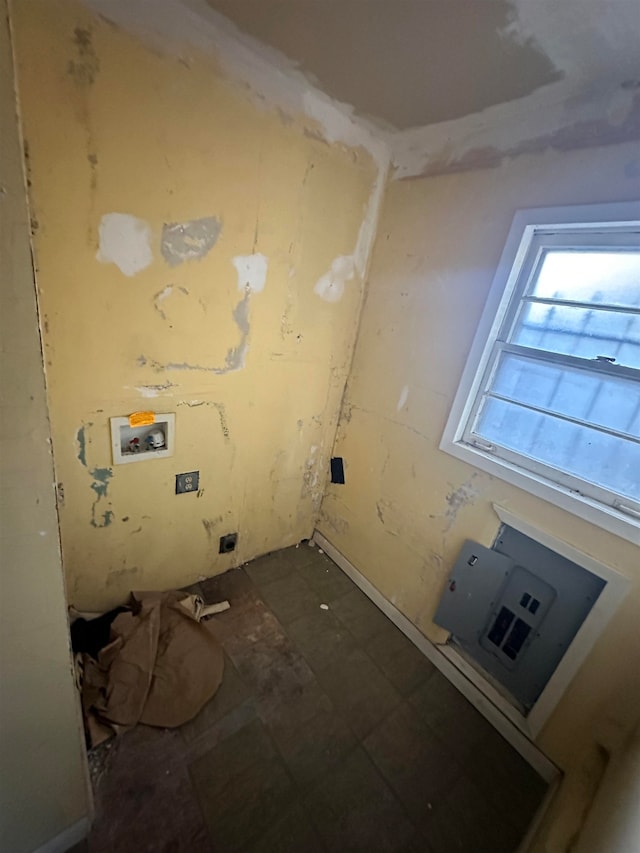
(607, 518)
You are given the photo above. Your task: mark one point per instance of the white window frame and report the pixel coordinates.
(623, 520)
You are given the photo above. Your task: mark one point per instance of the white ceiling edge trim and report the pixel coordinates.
(504, 127)
(173, 26)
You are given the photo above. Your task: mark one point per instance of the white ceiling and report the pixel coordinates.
(403, 63)
(434, 84)
(412, 63)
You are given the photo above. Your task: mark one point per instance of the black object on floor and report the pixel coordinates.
(92, 635)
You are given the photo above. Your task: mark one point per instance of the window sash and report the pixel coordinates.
(514, 301)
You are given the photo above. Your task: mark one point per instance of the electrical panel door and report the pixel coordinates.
(471, 590)
(514, 610)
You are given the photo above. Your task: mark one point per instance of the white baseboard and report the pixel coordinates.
(443, 661)
(66, 839)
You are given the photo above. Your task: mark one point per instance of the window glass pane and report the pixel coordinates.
(582, 332)
(596, 457)
(595, 397)
(612, 278)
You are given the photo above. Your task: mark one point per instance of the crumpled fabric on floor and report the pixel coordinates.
(160, 667)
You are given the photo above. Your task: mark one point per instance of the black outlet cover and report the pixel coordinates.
(228, 543)
(337, 470)
(187, 482)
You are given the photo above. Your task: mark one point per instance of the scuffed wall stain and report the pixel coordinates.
(224, 426)
(117, 576)
(210, 525)
(330, 286)
(189, 241)
(92, 159)
(389, 516)
(100, 486)
(404, 396)
(85, 67)
(125, 241)
(338, 525)
(252, 272)
(159, 297)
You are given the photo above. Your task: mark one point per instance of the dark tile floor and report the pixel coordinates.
(330, 732)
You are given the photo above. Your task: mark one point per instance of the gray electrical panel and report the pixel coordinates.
(515, 608)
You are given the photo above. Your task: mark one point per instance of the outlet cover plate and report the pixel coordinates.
(188, 482)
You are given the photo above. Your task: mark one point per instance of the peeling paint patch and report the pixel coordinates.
(82, 446)
(330, 286)
(100, 485)
(125, 241)
(459, 498)
(154, 390)
(252, 272)
(101, 477)
(312, 475)
(404, 396)
(104, 521)
(189, 241)
(236, 356)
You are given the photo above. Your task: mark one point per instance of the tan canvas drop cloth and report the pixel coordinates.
(160, 667)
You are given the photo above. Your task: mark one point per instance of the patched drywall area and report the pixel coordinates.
(460, 40)
(179, 235)
(593, 100)
(43, 786)
(407, 507)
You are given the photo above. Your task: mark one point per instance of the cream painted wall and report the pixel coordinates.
(42, 787)
(406, 507)
(254, 375)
